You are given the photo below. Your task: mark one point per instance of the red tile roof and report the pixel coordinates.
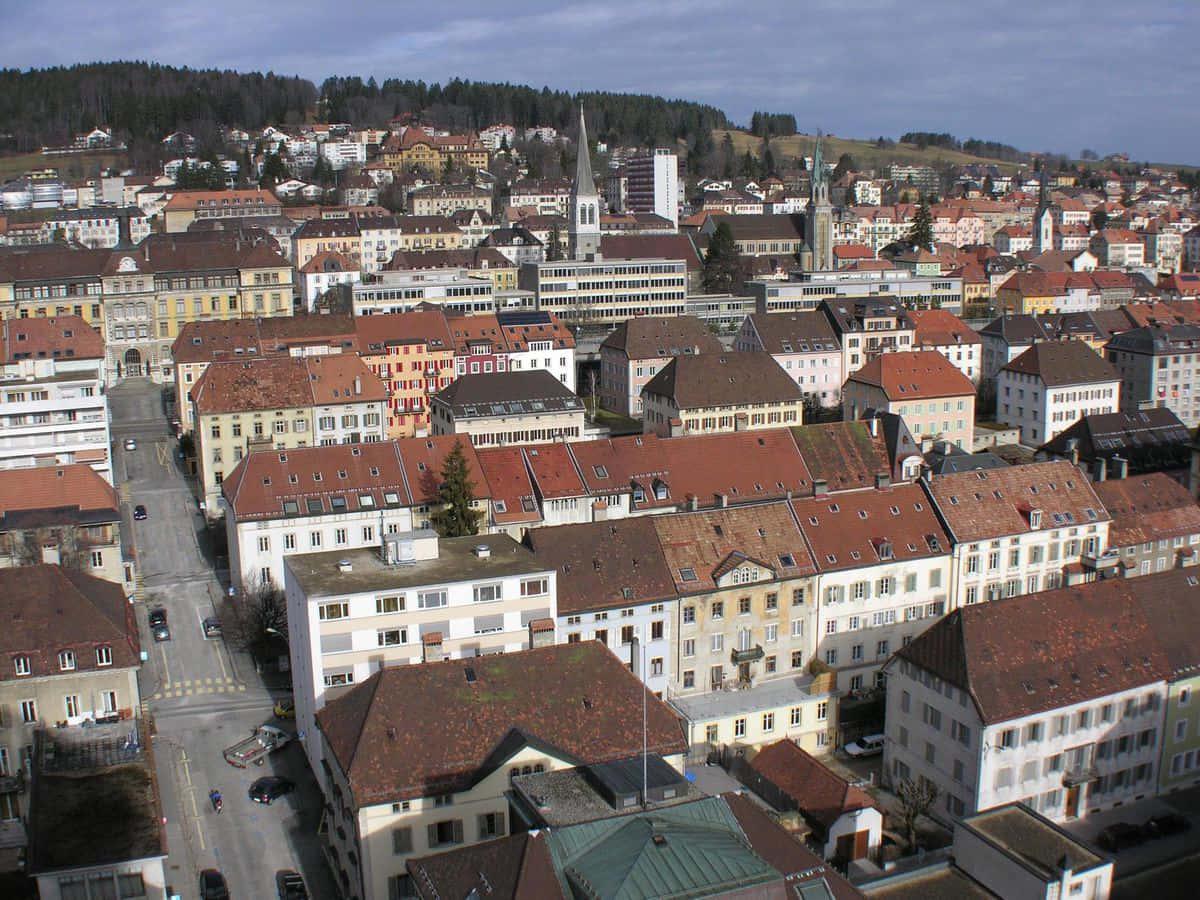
(914, 375)
(573, 699)
(509, 485)
(817, 792)
(939, 328)
(422, 326)
(74, 493)
(1147, 508)
(57, 337)
(285, 382)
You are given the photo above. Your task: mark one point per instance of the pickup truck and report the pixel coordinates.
(255, 749)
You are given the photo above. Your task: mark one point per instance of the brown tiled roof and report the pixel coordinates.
(914, 375)
(517, 867)
(984, 504)
(602, 565)
(56, 495)
(262, 482)
(285, 382)
(1062, 363)
(713, 542)
(222, 339)
(763, 227)
(650, 246)
(521, 328)
(423, 459)
(573, 699)
(855, 529)
(466, 330)
(939, 328)
(465, 258)
(48, 609)
(509, 485)
(819, 793)
(329, 261)
(238, 199)
(57, 337)
(723, 379)
(44, 264)
(419, 326)
(1023, 655)
(740, 466)
(845, 455)
(1147, 508)
(658, 337)
(553, 471)
(1036, 284)
(798, 332)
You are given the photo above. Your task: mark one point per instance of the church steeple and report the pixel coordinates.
(817, 255)
(583, 231)
(1043, 219)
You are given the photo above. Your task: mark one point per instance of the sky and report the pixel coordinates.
(1106, 75)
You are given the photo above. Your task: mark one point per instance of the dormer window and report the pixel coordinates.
(639, 495)
(660, 490)
(21, 665)
(66, 660)
(1035, 518)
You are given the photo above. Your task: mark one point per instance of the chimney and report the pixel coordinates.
(1120, 468)
(599, 510)
(1099, 469)
(357, 385)
(722, 500)
(882, 480)
(541, 633)
(431, 647)
(820, 487)
(874, 426)
(693, 502)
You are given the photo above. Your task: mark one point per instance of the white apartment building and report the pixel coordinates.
(1021, 529)
(653, 185)
(452, 289)
(344, 154)
(1159, 366)
(804, 345)
(993, 708)
(97, 227)
(55, 409)
(1052, 385)
(607, 291)
(414, 598)
(883, 563)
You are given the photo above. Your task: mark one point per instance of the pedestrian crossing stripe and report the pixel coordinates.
(168, 692)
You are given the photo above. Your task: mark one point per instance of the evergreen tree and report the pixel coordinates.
(921, 233)
(456, 518)
(845, 164)
(727, 154)
(722, 267)
(274, 171)
(554, 250)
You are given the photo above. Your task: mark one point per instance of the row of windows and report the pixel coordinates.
(66, 660)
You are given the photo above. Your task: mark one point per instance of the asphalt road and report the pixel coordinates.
(202, 695)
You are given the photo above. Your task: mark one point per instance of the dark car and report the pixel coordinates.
(139, 512)
(212, 885)
(1165, 824)
(1120, 835)
(270, 787)
(212, 627)
(291, 886)
(158, 616)
(158, 624)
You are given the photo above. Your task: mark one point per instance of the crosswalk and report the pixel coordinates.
(195, 686)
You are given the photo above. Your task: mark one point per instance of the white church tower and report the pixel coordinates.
(583, 233)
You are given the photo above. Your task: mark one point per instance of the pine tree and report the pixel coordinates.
(722, 267)
(921, 233)
(554, 248)
(456, 518)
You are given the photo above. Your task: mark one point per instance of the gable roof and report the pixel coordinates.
(507, 393)
(56, 337)
(1021, 655)
(1147, 508)
(819, 793)
(1062, 363)
(1149, 439)
(659, 337)
(724, 379)
(984, 504)
(939, 328)
(845, 455)
(285, 382)
(914, 375)
(798, 332)
(56, 495)
(572, 699)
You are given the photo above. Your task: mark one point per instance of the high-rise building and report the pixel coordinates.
(653, 185)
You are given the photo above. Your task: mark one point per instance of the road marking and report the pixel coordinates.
(187, 772)
(164, 454)
(221, 661)
(163, 653)
(241, 687)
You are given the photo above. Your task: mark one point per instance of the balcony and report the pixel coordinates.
(1080, 775)
(744, 656)
(1100, 562)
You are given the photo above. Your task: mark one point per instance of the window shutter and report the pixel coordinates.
(500, 831)
(483, 829)
(433, 841)
(458, 831)
(402, 840)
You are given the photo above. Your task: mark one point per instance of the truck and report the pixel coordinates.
(265, 740)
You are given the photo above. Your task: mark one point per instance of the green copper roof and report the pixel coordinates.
(690, 850)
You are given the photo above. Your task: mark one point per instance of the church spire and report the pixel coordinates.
(583, 231)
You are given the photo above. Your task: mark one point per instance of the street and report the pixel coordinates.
(202, 695)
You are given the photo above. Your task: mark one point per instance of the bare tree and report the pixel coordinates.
(71, 546)
(916, 799)
(258, 617)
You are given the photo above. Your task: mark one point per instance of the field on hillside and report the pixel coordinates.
(866, 154)
(71, 165)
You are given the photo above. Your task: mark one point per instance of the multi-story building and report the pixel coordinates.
(152, 291)
(757, 235)
(1051, 386)
(279, 403)
(653, 184)
(935, 399)
(324, 272)
(477, 262)
(399, 791)
(1155, 521)
(804, 345)
(547, 197)
(445, 199)
(1159, 366)
(538, 340)
(607, 291)
(867, 328)
(344, 154)
(1149, 440)
(321, 236)
(383, 236)
(508, 408)
(413, 354)
(883, 575)
(397, 292)
(202, 343)
(411, 598)
(55, 410)
(937, 329)
(1007, 337)
(706, 393)
(63, 515)
(998, 703)
(1021, 529)
(99, 226)
(72, 654)
(1118, 248)
(185, 207)
(636, 350)
(38, 283)
(417, 148)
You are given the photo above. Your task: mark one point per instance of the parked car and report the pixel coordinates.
(158, 624)
(130, 444)
(1166, 824)
(212, 627)
(139, 512)
(285, 708)
(1120, 835)
(868, 745)
(270, 787)
(212, 885)
(291, 885)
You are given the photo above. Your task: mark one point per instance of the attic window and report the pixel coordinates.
(830, 557)
(720, 532)
(315, 505)
(420, 467)
(1028, 687)
(812, 520)
(500, 506)
(833, 507)
(1091, 513)
(687, 574)
(953, 500)
(895, 510)
(316, 476)
(291, 508)
(919, 507)
(337, 503)
(267, 481)
(787, 560)
(341, 473)
(600, 471)
(762, 532)
(854, 554)
(366, 501)
(356, 451)
(862, 513)
(391, 498)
